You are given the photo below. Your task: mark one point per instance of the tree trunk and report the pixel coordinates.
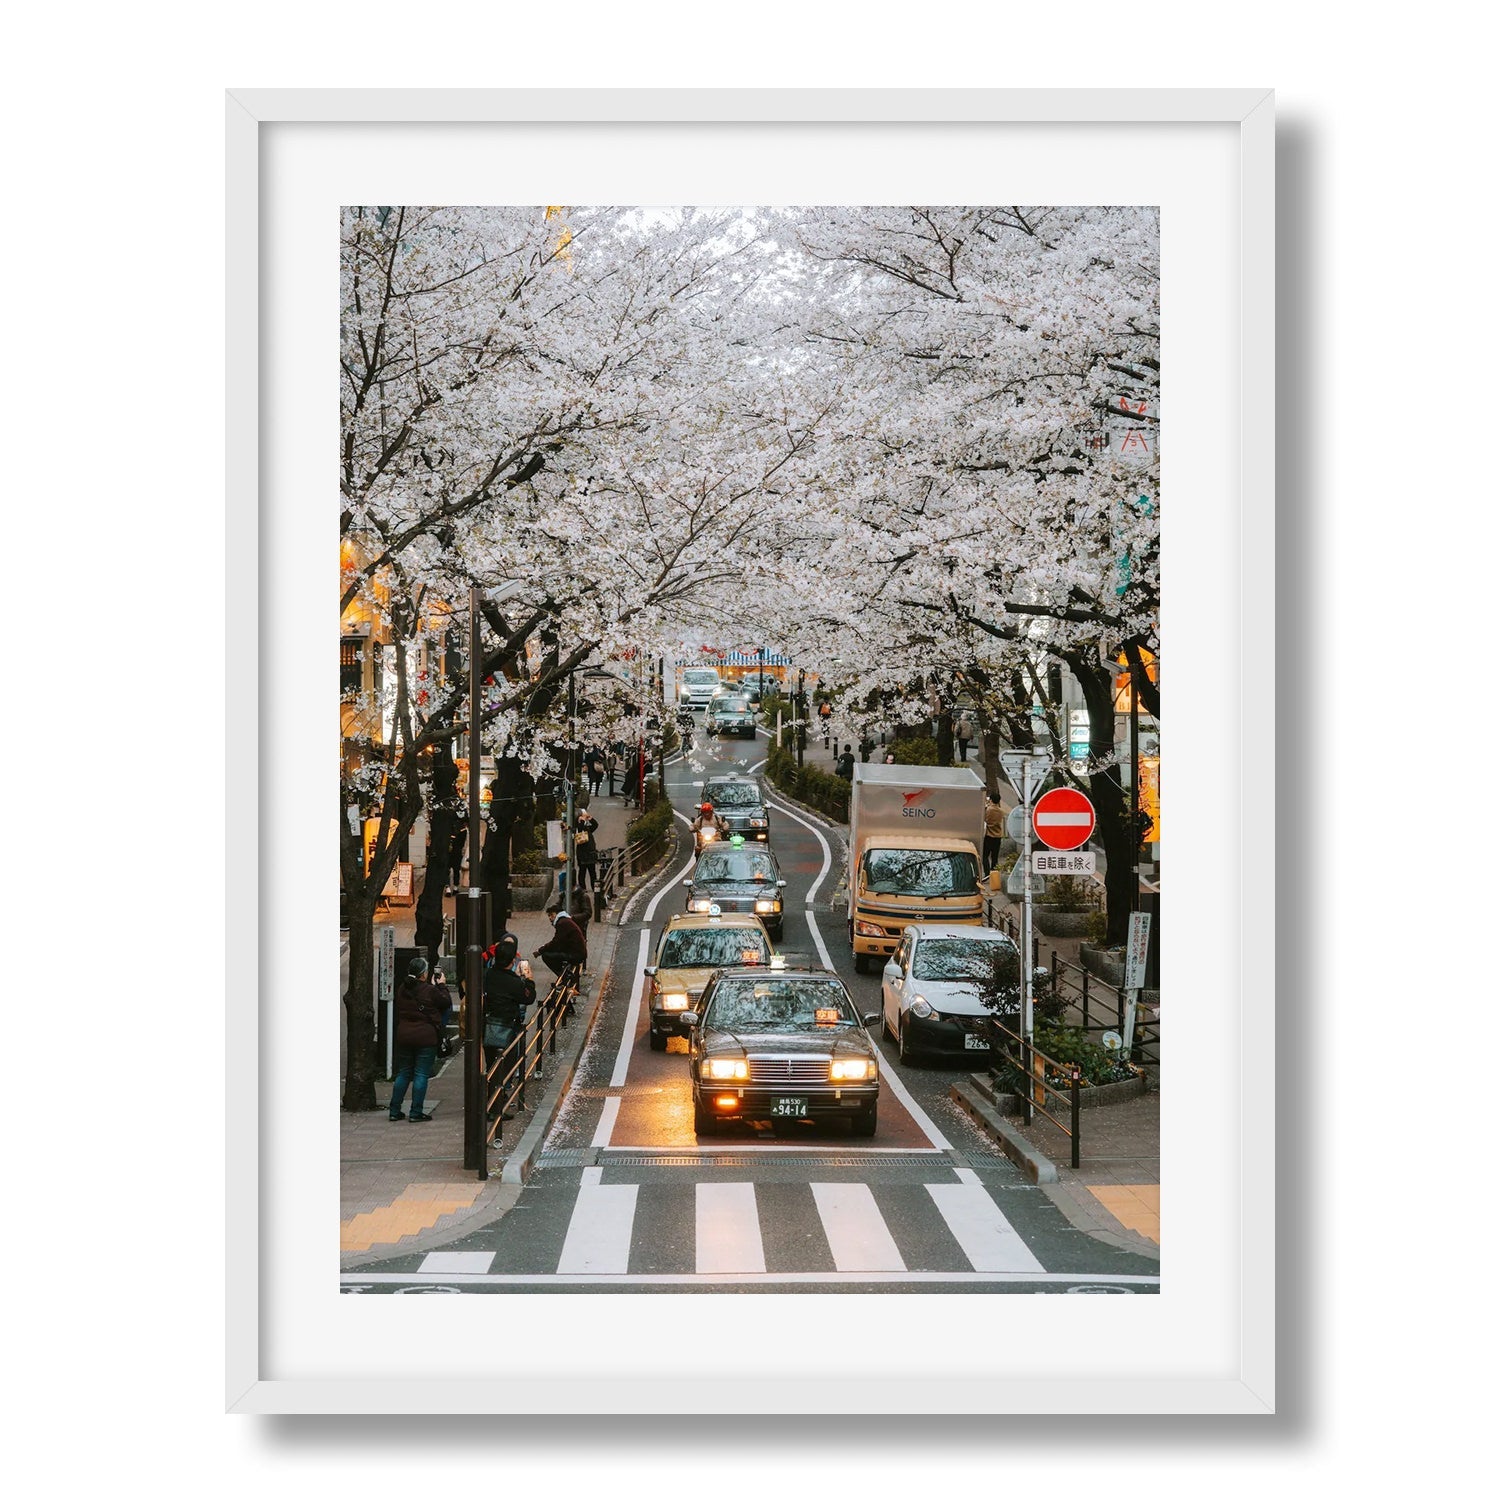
(1111, 804)
(359, 1005)
(430, 903)
(945, 736)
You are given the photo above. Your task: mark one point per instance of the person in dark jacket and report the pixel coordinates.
(586, 850)
(508, 990)
(566, 948)
(456, 858)
(418, 1031)
(845, 765)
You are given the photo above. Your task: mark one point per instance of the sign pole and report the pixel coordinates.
(1026, 1018)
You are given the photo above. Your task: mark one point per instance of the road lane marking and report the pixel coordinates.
(632, 1014)
(463, 1262)
(856, 1232)
(607, 1117)
(728, 1228)
(984, 1234)
(599, 1232)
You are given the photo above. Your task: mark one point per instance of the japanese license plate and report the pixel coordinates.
(789, 1107)
(972, 1039)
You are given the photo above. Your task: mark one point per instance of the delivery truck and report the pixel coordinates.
(914, 838)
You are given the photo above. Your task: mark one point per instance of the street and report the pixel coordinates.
(626, 1197)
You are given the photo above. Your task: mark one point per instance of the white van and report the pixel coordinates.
(698, 686)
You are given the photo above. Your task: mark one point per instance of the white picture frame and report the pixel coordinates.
(276, 1179)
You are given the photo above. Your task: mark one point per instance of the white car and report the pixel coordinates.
(929, 996)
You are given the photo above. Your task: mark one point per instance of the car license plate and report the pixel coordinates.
(789, 1107)
(972, 1039)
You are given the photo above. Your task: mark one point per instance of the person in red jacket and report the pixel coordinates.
(419, 1020)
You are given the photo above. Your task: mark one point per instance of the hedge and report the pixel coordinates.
(818, 789)
(651, 830)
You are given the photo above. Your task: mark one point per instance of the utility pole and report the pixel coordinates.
(475, 1121)
(569, 776)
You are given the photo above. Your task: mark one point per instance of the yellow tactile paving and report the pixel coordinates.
(419, 1207)
(1136, 1206)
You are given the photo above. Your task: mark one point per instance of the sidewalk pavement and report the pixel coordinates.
(403, 1186)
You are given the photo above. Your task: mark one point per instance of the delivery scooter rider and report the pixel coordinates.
(708, 825)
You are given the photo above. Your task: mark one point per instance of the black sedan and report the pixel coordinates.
(781, 1045)
(736, 876)
(741, 803)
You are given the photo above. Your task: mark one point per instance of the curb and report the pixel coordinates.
(1037, 1167)
(519, 1163)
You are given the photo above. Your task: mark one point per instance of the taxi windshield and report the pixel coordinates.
(734, 794)
(719, 863)
(733, 705)
(713, 947)
(780, 1005)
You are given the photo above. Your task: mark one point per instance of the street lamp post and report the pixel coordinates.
(801, 715)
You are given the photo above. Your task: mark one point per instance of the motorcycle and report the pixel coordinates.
(702, 837)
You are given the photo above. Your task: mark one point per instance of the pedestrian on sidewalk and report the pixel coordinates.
(594, 765)
(994, 831)
(508, 990)
(456, 858)
(846, 764)
(418, 1018)
(566, 949)
(612, 766)
(586, 850)
(965, 734)
(631, 789)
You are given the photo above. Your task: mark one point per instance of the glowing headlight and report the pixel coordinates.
(919, 1007)
(851, 1069)
(675, 1000)
(757, 822)
(768, 906)
(725, 1067)
(700, 905)
(869, 929)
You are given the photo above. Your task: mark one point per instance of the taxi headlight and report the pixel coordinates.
(768, 906)
(701, 904)
(851, 1070)
(674, 1000)
(920, 1008)
(725, 1067)
(757, 822)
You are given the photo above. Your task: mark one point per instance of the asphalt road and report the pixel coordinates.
(626, 1197)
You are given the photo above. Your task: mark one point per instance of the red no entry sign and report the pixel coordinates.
(1063, 818)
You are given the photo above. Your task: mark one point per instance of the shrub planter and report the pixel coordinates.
(1055, 923)
(1107, 964)
(531, 892)
(1090, 1096)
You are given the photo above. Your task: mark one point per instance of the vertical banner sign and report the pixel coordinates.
(1136, 943)
(385, 987)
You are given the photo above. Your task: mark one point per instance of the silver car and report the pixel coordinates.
(929, 988)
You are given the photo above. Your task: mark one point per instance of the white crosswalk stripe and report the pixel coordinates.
(856, 1232)
(728, 1228)
(600, 1229)
(984, 1234)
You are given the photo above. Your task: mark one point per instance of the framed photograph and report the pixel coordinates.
(1176, 179)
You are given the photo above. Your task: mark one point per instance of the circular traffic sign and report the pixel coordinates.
(1063, 818)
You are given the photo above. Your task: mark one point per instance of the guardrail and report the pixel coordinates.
(1034, 1066)
(1089, 1002)
(507, 1073)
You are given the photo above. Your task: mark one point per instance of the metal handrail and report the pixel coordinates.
(1032, 1064)
(505, 1078)
(1082, 992)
